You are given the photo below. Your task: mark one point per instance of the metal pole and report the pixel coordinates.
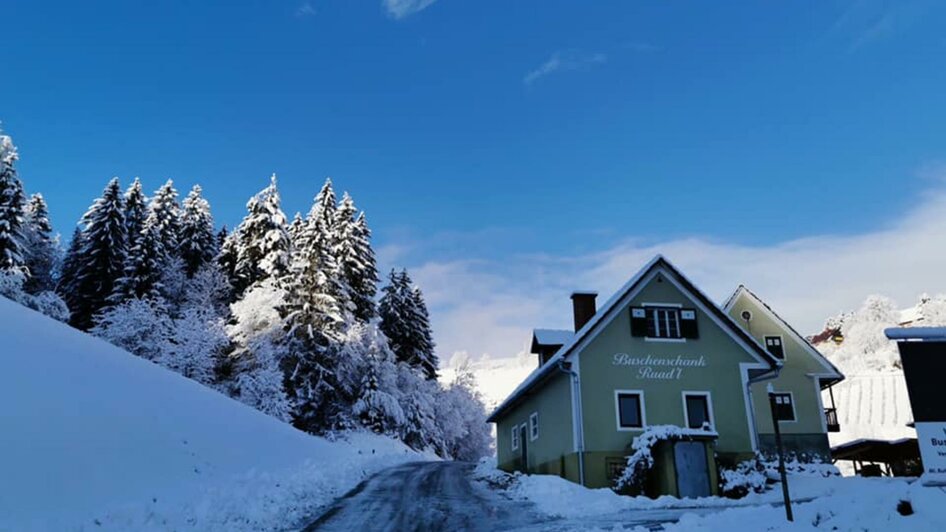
(781, 459)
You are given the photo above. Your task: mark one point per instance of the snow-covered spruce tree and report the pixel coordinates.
(425, 340)
(166, 214)
(316, 317)
(145, 266)
(41, 249)
(261, 241)
(198, 243)
(99, 262)
(65, 284)
(296, 227)
(12, 207)
(405, 321)
(356, 259)
(136, 211)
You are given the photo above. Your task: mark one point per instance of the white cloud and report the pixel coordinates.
(491, 306)
(306, 9)
(405, 8)
(563, 62)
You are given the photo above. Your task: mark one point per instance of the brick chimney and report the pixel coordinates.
(583, 304)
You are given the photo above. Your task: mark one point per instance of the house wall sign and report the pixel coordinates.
(650, 367)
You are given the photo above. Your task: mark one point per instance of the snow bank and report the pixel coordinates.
(868, 504)
(95, 438)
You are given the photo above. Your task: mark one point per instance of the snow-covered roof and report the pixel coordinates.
(917, 333)
(607, 310)
(910, 315)
(552, 336)
(835, 373)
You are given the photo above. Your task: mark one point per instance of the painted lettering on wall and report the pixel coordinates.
(659, 368)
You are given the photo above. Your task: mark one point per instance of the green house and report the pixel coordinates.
(659, 352)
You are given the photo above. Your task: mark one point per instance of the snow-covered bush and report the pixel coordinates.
(12, 284)
(140, 326)
(641, 460)
(461, 417)
(746, 477)
(262, 386)
(196, 339)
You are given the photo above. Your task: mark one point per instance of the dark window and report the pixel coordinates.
(629, 411)
(784, 407)
(773, 344)
(698, 411)
(663, 322)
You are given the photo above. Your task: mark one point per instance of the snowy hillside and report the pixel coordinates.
(95, 438)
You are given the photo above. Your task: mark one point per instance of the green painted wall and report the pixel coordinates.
(663, 399)
(548, 453)
(794, 377)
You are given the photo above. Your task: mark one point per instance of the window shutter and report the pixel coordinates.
(688, 327)
(638, 322)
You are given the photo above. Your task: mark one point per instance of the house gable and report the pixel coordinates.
(800, 355)
(714, 364)
(614, 309)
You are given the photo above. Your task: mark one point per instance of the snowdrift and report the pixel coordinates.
(96, 438)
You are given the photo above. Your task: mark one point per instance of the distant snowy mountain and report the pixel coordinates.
(95, 438)
(495, 378)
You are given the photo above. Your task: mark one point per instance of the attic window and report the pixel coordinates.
(773, 344)
(663, 322)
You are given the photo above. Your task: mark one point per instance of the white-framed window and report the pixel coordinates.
(663, 322)
(534, 426)
(698, 410)
(630, 412)
(785, 406)
(775, 346)
(515, 438)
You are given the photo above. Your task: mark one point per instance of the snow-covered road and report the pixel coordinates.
(431, 496)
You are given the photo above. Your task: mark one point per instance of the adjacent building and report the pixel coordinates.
(659, 352)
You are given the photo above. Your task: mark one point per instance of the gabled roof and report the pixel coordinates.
(593, 327)
(550, 337)
(834, 375)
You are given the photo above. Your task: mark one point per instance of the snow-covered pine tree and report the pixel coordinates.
(136, 210)
(405, 321)
(261, 241)
(356, 259)
(12, 207)
(166, 214)
(41, 249)
(198, 245)
(99, 262)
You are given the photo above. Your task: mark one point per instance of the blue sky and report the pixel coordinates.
(488, 133)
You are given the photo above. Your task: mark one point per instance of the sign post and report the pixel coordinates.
(923, 355)
(781, 455)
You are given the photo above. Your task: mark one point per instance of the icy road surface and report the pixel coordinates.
(433, 496)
